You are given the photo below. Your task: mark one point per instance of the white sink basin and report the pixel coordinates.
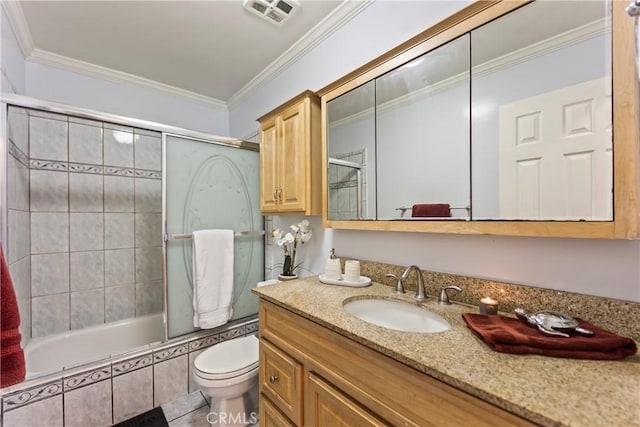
(396, 315)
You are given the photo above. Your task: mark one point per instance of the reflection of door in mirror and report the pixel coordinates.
(541, 114)
(351, 148)
(422, 133)
(558, 167)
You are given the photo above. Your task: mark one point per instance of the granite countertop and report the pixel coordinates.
(545, 390)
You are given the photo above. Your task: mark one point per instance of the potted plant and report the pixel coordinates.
(301, 233)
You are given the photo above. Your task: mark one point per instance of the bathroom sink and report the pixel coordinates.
(397, 315)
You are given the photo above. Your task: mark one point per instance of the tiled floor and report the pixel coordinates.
(189, 411)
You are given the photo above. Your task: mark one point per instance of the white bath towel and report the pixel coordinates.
(212, 277)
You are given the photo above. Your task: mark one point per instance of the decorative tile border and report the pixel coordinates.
(204, 342)
(88, 168)
(133, 364)
(31, 395)
(170, 353)
(163, 352)
(18, 154)
(87, 378)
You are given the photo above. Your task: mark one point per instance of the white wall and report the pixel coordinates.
(55, 84)
(608, 268)
(12, 64)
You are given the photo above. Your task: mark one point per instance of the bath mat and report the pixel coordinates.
(152, 418)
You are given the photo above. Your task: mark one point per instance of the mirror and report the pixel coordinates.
(505, 115)
(541, 114)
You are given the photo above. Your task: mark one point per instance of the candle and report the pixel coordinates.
(488, 306)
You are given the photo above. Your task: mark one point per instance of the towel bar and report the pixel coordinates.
(236, 234)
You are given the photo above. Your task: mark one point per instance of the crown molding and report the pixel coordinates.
(19, 24)
(85, 68)
(336, 19)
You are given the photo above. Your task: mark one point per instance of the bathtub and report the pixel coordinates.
(70, 349)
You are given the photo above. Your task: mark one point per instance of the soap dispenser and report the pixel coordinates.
(333, 270)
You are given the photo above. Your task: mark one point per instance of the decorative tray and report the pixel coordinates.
(361, 283)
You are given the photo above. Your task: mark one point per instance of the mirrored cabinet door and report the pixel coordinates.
(541, 114)
(351, 173)
(422, 136)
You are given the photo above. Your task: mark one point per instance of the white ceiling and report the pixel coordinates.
(215, 49)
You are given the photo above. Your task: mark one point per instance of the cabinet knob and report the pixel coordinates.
(273, 379)
(275, 195)
(280, 194)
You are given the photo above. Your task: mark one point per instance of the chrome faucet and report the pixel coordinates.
(443, 298)
(420, 295)
(399, 284)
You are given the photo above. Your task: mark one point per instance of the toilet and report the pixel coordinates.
(228, 374)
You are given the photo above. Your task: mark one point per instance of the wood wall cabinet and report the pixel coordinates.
(312, 376)
(290, 157)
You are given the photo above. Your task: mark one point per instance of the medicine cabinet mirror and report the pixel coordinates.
(499, 120)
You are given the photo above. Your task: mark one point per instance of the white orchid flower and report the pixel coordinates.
(295, 228)
(288, 238)
(276, 234)
(304, 226)
(305, 237)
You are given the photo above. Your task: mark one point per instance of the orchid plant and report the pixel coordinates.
(301, 233)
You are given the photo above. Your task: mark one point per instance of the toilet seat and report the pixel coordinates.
(229, 359)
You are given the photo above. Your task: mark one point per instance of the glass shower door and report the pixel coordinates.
(210, 186)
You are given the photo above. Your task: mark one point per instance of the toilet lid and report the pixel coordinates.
(235, 356)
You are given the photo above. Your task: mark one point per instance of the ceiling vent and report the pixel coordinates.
(276, 11)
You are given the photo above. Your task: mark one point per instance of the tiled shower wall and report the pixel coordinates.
(343, 187)
(94, 204)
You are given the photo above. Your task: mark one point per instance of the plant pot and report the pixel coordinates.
(282, 278)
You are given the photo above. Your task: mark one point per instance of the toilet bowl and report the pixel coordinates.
(228, 374)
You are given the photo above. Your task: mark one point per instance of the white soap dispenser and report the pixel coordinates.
(333, 270)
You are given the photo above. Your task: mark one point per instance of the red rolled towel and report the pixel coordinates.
(12, 365)
(431, 210)
(509, 335)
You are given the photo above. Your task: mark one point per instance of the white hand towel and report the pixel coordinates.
(212, 277)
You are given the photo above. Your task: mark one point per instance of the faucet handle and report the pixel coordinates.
(443, 298)
(399, 284)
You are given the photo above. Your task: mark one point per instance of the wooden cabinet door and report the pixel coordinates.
(293, 158)
(268, 168)
(281, 380)
(327, 406)
(270, 416)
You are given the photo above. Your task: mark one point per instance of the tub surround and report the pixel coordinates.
(577, 396)
(118, 388)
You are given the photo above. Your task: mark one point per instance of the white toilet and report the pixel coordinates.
(228, 373)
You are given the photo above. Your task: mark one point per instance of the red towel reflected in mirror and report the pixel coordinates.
(431, 210)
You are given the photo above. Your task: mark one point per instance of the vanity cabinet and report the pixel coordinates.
(290, 158)
(312, 376)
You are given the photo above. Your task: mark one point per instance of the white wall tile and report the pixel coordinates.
(18, 235)
(21, 276)
(50, 315)
(86, 231)
(85, 192)
(119, 303)
(148, 264)
(87, 308)
(49, 274)
(47, 139)
(88, 406)
(18, 128)
(148, 152)
(45, 413)
(148, 229)
(148, 195)
(118, 148)
(85, 143)
(118, 194)
(49, 191)
(120, 267)
(87, 270)
(171, 380)
(148, 298)
(132, 394)
(49, 232)
(119, 231)
(17, 185)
